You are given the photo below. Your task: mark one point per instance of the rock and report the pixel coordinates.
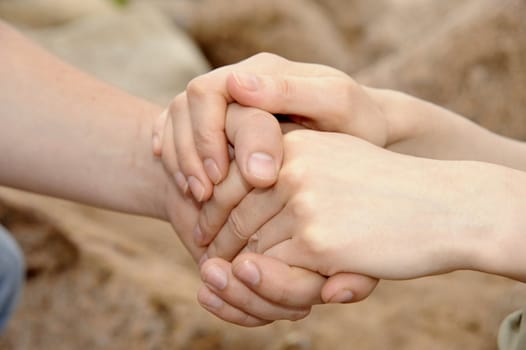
(38, 13)
(375, 29)
(473, 65)
(231, 30)
(136, 49)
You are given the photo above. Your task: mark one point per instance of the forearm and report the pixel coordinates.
(423, 129)
(68, 135)
(501, 251)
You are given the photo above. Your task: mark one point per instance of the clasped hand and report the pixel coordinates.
(304, 218)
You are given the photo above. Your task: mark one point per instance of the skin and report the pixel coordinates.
(320, 98)
(390, 119)
(387, 215)
(98, 139)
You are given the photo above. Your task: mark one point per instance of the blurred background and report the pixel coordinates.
(101, 280)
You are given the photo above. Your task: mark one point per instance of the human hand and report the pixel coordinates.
(256, 289)
(270, 295)
(343, 205)
(314, 96)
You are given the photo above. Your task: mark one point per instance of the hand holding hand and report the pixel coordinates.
(314, 96)
(343, 205)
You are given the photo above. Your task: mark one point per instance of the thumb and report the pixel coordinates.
(258, 145)
(347, 288)
(329, 103)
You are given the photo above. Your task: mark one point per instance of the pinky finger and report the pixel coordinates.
(189, 161)
(215, 305)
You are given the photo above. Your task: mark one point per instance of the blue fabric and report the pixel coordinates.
(11, 275)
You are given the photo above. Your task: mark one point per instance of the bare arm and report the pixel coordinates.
(423, 129)
(68, 135)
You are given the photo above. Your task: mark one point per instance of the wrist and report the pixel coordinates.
(398, 109)
(155, 181)
(501, 252)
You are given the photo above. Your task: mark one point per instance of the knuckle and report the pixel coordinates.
(352, 92)
(267, 57)
(177, 105)
(197, 87)
(303, 206)
(292, 176)
(204, 138)
(236, 226)
(312, 242)
(286, 88)
(207, 222)
(253, 243)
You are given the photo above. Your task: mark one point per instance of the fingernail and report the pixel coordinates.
(212, 170)
(343, 296)
(262, 165)
(197, 188)
(180, 180)
(215, 277)
(203, 259)
(247, 81)
(248, 273)
(212, 301)
(198, 235)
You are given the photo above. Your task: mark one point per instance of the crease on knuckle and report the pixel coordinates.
(286, 88)
(236, 226)
(207, 222)
(283, 295)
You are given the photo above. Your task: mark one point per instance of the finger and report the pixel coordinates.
(218, 277)
(274, 231)
(349, 108)
(181, 209)
(207, 110)
(347, 288)
(158, 133)
(291, 253)
(257, 140)
(214, 212)
(340, 288)
(258, 207)
(226, 312)
(189, 162)
(278, 282)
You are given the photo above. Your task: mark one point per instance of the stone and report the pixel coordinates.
(473, 64)
(38, 13)
(136, 49)
(231, 30)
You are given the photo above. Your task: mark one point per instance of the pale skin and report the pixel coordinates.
(469, 211)
(68, 135)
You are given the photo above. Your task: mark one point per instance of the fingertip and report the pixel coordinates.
(347, 288)
(212, 170)
(181, 182)
(262, 169)
(201, 189)
(247, 272)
